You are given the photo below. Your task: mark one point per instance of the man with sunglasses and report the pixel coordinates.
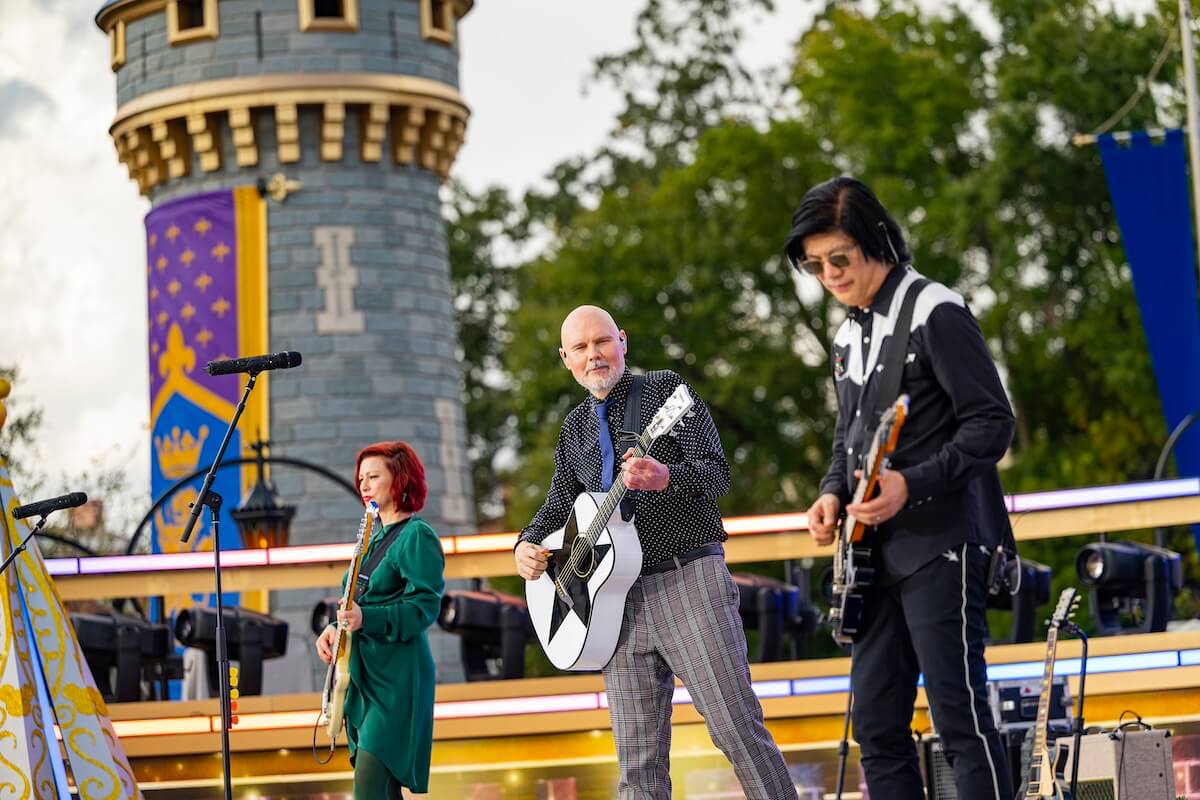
(939, 513)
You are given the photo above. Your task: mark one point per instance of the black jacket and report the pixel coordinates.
(959, 424)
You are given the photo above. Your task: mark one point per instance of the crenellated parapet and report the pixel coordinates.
(169, 133)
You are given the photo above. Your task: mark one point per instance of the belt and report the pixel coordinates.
(674, 562)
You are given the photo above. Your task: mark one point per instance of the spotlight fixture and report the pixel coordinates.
(324, 614)
(1024, 591)
(1129, 580)
(493, 629)
(252, 638)
(774, 608)
(121, 651)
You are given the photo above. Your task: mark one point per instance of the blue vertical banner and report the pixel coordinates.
(1148, 182)
(207, 277)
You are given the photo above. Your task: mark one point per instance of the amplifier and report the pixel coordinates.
(1124, 765)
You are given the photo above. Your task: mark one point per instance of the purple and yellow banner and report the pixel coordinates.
(207, 268)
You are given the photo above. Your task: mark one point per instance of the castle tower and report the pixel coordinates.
(347, 117)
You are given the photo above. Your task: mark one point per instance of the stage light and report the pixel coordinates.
(1129, 578)
(772, 608)
(123, 651)
(1023, 590)
(493, 629)
(324, 614)
(252, 638)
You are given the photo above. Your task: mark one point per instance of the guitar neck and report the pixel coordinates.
(616, 493)
(1043, 715)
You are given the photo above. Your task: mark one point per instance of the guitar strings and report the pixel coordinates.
(609, 505)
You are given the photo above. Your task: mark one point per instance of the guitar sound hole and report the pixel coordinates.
(585, 561)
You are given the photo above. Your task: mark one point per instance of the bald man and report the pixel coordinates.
(681, 615)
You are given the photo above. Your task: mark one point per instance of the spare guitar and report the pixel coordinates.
(578, 603)
(337, 677)
(852, 570)
(1043, 780)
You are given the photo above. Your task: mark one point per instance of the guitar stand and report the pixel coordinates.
(1078, 732)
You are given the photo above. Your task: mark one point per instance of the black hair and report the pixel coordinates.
(848, 205)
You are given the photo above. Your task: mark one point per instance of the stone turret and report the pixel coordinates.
(346, 114)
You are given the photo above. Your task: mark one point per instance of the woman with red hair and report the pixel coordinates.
(389, 705)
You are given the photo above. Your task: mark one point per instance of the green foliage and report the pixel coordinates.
(676, 226)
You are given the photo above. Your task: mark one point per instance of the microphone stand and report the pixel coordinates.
(844, 744)
(12, 556)
(213, 501)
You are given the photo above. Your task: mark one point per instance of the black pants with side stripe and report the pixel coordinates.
(932, 622)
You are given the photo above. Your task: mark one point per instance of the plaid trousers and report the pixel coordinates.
(685, 622)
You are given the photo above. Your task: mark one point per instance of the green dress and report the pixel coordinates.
(389, 704)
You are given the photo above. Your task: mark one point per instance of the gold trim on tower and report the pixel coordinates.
(157, 135)
(181, 30)
(310, 21)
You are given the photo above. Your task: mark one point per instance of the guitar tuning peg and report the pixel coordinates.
(690, 413)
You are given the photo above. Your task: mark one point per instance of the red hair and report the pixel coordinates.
(408, 474)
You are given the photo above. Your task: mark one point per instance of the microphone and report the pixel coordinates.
(254, 364)
(43, 507)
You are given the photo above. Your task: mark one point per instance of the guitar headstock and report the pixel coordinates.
(893, 415)
(1068, 601)
(673, 410)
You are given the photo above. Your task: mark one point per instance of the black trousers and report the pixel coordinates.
(932, 622)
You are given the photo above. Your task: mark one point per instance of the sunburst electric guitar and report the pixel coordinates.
(578, 603)
(852, 570)
(1043, 767)
(337, 677)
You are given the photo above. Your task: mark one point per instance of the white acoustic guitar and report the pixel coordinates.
(578, 603)
(337, 677)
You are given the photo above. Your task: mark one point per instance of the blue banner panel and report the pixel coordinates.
(1148, 181)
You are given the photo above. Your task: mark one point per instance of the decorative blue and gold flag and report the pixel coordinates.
(208, 300)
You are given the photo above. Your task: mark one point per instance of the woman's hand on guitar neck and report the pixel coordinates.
(350, 620)
(823, 517)
(893, 494)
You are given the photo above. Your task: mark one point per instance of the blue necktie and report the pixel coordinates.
(606, 449)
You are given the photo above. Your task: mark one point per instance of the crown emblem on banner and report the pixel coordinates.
(178, 454)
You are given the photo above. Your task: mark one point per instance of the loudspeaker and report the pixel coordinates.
(1123, 764)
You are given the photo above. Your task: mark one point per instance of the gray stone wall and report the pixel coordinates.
(388, 369)
(388, 41)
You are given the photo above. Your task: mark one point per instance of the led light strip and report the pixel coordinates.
(484, 543)
(592, 701)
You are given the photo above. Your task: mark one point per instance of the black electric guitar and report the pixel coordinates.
(1043, 781)
(852, 570)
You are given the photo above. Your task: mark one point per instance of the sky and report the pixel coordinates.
(71, 238)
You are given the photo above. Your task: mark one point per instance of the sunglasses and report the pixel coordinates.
(816, 266)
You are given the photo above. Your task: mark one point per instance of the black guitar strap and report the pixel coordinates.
(897, 349)
(372, 561)
(631, 429)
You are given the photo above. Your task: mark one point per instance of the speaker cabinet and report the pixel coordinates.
(1124, 764)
